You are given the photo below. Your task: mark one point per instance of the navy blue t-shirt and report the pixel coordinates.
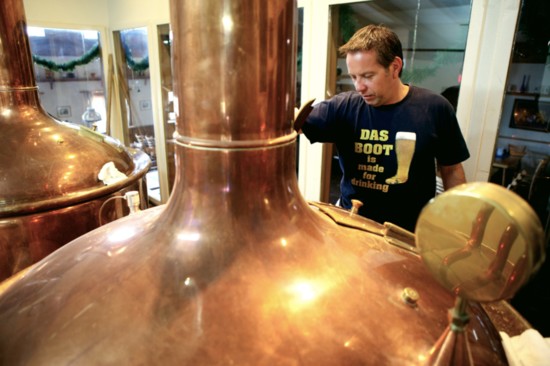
(393, 180)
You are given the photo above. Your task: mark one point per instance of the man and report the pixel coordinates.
(389, 135)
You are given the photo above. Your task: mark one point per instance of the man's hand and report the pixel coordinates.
(301, 114)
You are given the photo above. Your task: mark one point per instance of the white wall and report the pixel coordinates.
(69, 12)
(136, 13)
(115, 14)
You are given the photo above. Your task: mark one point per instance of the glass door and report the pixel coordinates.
(167, 93)
(132, 63)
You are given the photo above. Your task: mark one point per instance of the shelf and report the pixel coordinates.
(516, 138)
(535, 95)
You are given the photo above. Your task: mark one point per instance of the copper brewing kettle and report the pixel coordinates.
(237, 268)
(50, 193)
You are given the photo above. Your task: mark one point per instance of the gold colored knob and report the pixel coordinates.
(355, 206)
(410, 296)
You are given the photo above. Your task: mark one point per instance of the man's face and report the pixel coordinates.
(376, 84)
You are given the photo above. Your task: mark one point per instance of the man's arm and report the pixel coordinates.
(452, 175)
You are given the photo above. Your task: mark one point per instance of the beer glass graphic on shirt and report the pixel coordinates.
(404, 150)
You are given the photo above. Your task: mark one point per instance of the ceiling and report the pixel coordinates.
(437, 23)
(430, 24)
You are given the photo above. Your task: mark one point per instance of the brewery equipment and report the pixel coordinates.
(50, 193)
(238, 269)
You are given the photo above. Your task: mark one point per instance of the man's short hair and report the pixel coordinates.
(378, 38)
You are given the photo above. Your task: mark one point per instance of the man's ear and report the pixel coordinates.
(396, 66)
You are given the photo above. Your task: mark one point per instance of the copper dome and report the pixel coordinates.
(49, 187)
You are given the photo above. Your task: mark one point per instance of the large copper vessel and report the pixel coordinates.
(237, 268)
(50, 193)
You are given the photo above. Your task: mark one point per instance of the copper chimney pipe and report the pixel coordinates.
(49, 190)
(237, 268)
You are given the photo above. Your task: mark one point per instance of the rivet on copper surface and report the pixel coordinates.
(410, 296)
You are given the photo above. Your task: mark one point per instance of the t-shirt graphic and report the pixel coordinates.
(404, 150)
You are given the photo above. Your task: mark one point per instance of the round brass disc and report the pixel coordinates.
(480, 240)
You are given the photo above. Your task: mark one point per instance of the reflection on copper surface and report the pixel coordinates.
(121, 234)
(303, 293)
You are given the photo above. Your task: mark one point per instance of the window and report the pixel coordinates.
(132, 62)
(69, 74)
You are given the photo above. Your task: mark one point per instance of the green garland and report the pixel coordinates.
(68, 66)
(89, 57)
(132, 64)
